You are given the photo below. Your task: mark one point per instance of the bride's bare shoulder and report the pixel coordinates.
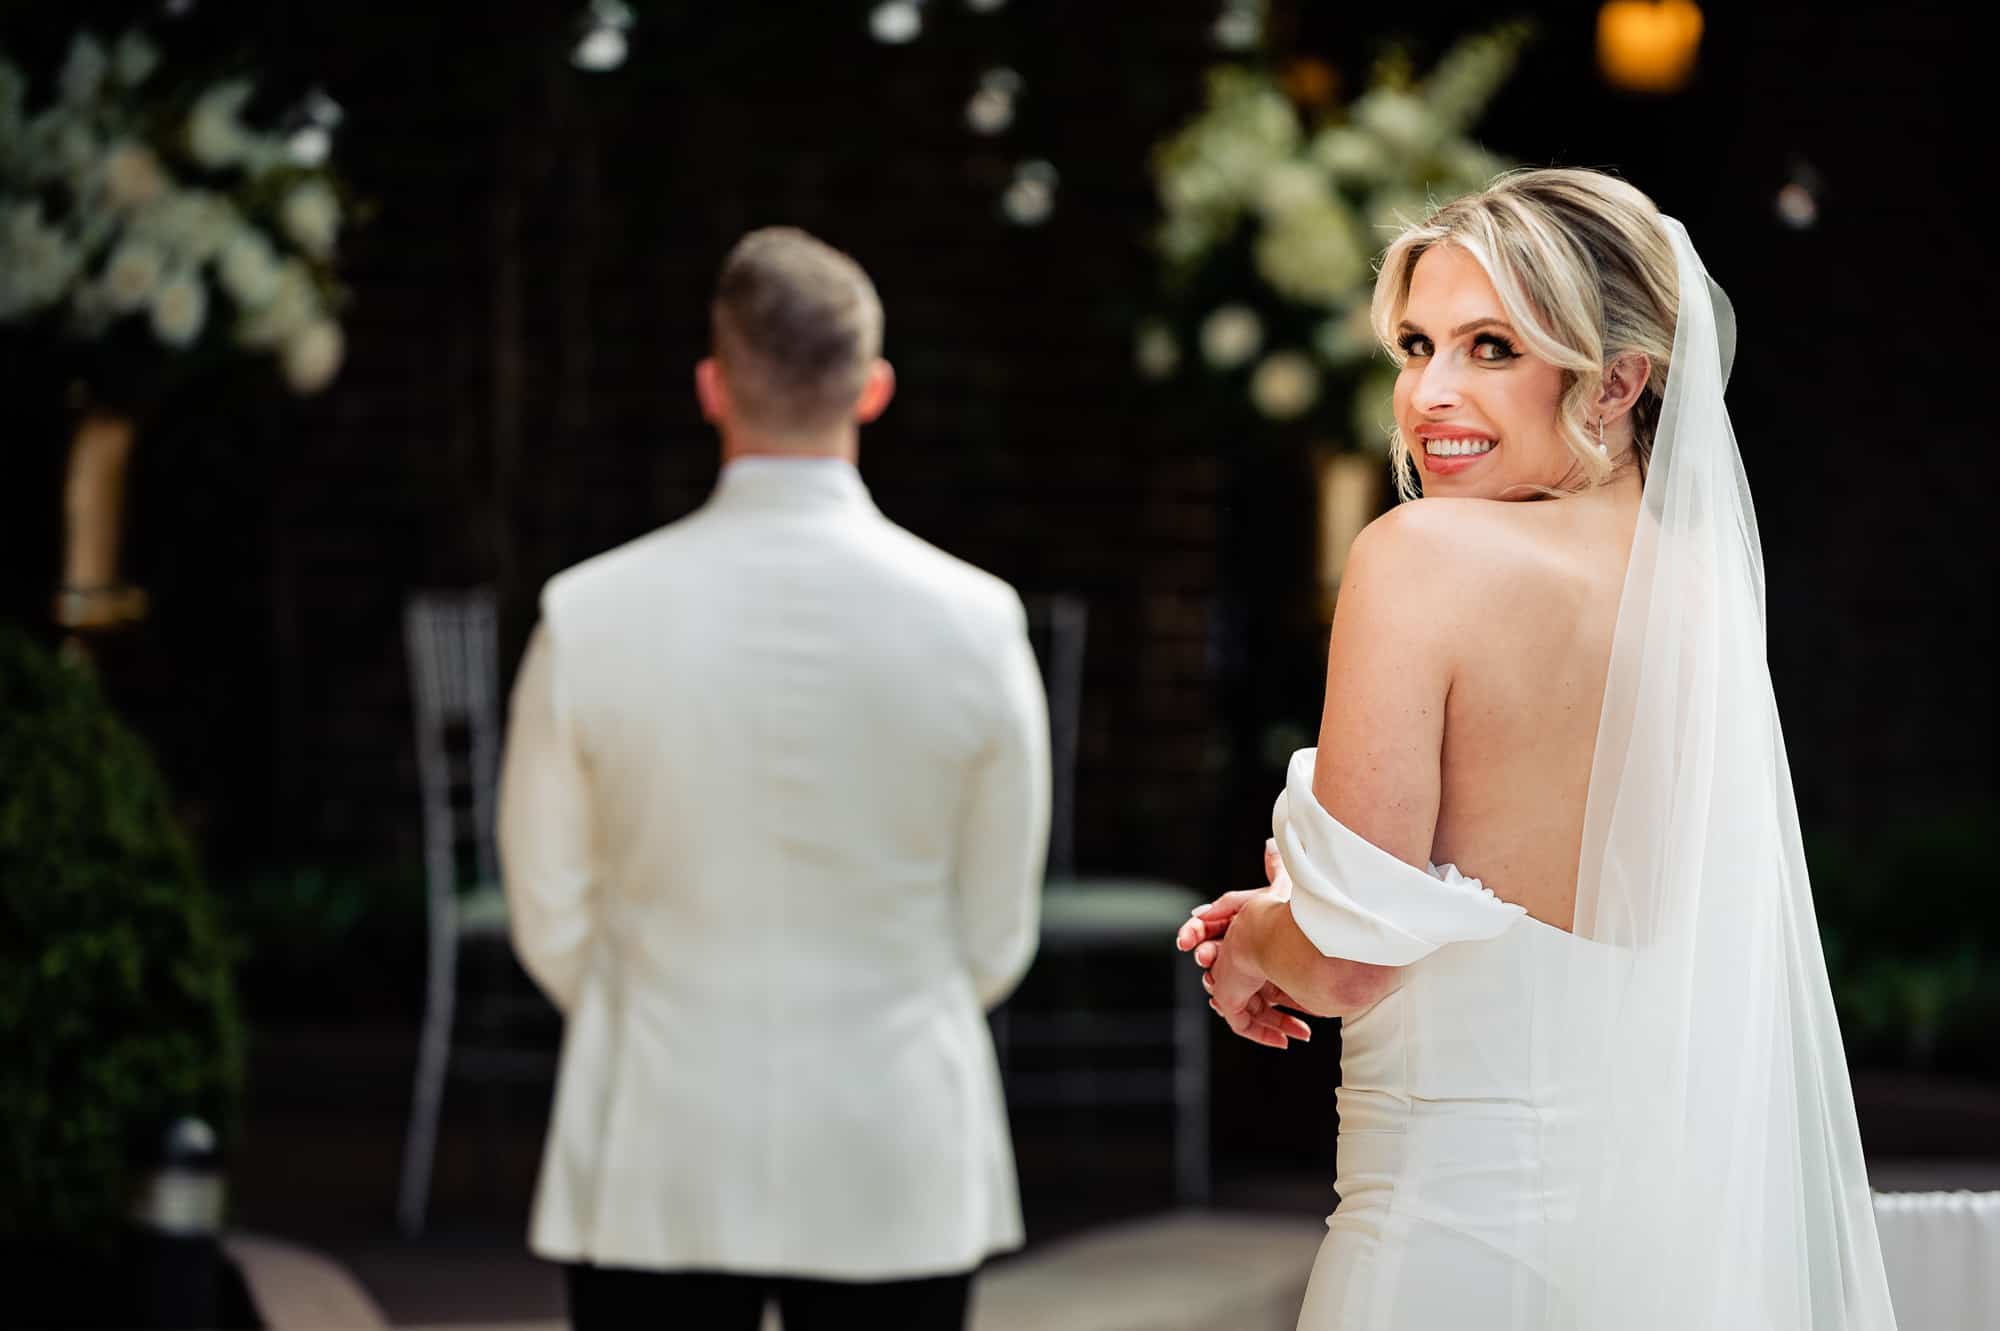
(1472, 540)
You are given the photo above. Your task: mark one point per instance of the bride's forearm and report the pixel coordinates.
(1325, 986)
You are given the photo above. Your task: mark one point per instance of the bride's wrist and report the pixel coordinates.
(1254, 923)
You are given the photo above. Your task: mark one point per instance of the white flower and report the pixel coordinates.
(77, 149)
(37, 262)
(1468, 76)
(134, 270)
(1271, 117)
(1230, 337)
(311, 217)
(134, 58)
(1288, 186)
(1406, 126)
(1375, 408)
(1183, 239)
(215, 137)
(313, 356)
(265, 152)
(83, 72)
(1351, 154)
(132, 175)
(1194, 186)
(190, 224)
(1346, 339)
(1155, 351)
(1313, 254)
(180, 307)
(58, 143)
(293, 305)
(1285, 385)
(248, 268)
(1214, 162)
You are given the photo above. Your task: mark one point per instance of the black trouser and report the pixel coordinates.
(605, 1298)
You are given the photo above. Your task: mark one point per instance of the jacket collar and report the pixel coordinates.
(791, 483)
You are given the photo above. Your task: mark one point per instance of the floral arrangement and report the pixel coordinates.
(151, 228)
(1277, 203)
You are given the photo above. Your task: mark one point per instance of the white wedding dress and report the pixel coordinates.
(1446, 1194)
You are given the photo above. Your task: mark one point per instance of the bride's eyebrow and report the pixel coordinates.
(1407, 327)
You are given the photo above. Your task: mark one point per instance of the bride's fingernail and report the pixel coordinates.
(1200, 910)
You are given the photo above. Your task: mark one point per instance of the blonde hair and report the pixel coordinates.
(1585, 273)
(796, 324)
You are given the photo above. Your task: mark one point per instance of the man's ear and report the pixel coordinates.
(876, 390)
(1624, 379)
(712, 391)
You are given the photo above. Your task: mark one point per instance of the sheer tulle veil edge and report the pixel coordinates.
(1712, 1173)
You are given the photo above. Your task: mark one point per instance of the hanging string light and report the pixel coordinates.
(896, 22)
(1031, 196)
(1240, 25)
(991, 108)
(1797, 201)
(1648, 45)
(603, 45)
(310, 140)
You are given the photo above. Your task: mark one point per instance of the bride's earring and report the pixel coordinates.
(1602, 450)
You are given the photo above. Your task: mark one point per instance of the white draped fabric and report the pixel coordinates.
(1942, 1253)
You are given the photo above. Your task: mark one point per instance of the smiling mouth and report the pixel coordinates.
(1459, 448)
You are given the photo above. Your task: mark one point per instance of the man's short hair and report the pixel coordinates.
(796, 326)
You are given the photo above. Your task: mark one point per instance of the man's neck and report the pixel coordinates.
(843, 446)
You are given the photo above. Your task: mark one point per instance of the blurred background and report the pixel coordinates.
(308, 311)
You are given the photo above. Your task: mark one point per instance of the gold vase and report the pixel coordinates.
(93, 597)
(1350, 497)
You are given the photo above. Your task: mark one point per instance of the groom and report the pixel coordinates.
(773, 815)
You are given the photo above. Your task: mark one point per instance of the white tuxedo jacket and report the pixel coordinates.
(772, 819)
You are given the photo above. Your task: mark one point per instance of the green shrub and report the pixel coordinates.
(1910, 919)
(117, 1003)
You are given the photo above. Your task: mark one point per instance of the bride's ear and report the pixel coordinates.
(1624, 379)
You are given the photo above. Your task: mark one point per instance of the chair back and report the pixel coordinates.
(453, 642)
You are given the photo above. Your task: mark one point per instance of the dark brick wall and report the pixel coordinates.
(529, 298)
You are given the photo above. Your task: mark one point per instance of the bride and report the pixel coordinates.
(1598, 1085)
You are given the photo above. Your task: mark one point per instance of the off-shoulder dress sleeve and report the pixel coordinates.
(1358, 902)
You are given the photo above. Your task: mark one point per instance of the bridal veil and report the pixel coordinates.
(1714, 1160)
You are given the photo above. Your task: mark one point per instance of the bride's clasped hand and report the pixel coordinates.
(1229, 938)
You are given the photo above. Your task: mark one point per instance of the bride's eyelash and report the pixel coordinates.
(1409, 342)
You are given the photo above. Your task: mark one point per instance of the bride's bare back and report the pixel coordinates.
(1465, 681)
(1527, 685)
(1473, 634)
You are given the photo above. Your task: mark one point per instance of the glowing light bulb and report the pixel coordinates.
(1649, 45)
(602, 48)
(895, 22)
